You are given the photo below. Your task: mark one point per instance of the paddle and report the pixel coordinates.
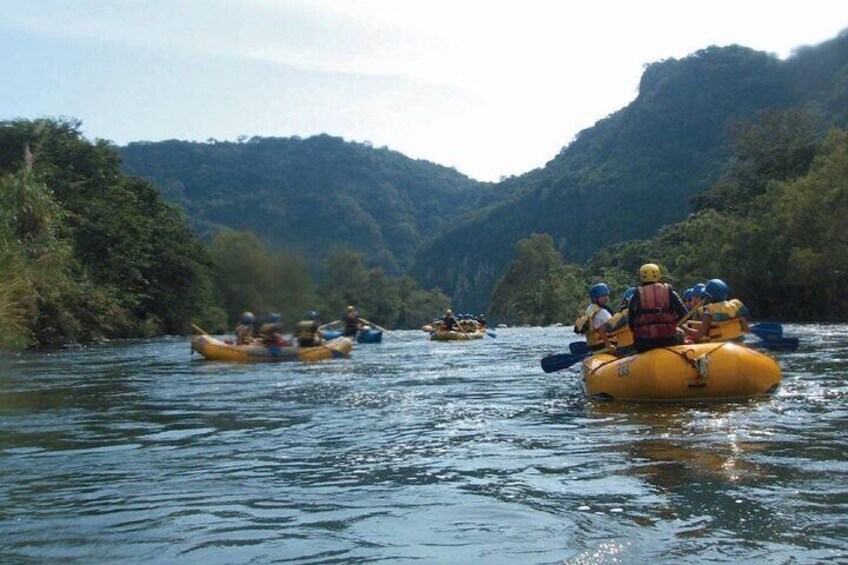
(578, 347)
(197, 329)
(334, 322)
(562, 361)
(383, 329)
(691, 312)
(459, 325)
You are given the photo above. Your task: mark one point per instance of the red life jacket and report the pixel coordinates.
(655, 318)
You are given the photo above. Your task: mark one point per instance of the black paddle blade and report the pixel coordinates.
(578, 347)
(561, 361)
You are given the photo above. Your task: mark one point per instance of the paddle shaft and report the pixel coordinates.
(560, 361)
(382, 328)
(691, 312)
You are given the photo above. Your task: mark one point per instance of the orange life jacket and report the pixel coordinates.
(655, 319)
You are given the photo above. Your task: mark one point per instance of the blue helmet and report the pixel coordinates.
(699, 290)
(598, 290)
(628, 294)
(312, 315)
(689, 294)
(273, 317)
(717, 289)
(247, 318)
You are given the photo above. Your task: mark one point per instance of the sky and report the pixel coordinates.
(492, 88)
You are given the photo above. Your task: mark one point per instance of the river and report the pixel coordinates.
(412, 451)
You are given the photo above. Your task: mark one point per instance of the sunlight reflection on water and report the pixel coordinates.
(412, 450)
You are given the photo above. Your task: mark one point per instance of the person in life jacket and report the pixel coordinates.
(596, 315)
(244, 329)
(721, 319)
(654, 310)
(689, 298)
(699, 298)
(271, 331)
(352, 322)
(616, 330)
(308, 331)
(448, 322)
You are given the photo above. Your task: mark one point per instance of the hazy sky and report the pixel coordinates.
(491, 88)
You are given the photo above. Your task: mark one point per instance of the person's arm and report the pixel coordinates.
(677, 304)
(633, 307)
(704, 328)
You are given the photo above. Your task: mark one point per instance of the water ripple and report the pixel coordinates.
(412, 451)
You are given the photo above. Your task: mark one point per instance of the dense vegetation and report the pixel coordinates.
(309, 195)
(636, 170)
(775, 227)
(88, 252)
(250, 277)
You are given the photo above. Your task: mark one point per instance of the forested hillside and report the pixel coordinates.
(88, 253)
(775, 228)
(636, 170)
(309, 196)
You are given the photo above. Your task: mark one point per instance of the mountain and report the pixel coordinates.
(309, 195)
(636, 170)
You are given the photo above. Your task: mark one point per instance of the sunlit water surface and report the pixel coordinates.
(412, 451)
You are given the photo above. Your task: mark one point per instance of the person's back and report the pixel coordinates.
(244, 329)
(308, 331)
(449, 323)
(723, 319)
(270, 332)
(654, 311)
(617, 328)
(351, 322)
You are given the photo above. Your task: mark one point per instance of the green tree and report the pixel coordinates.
(345, 282)
(102, 254)
(537, 288)
(249, 277)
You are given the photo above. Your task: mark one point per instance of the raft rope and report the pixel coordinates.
(700, 364)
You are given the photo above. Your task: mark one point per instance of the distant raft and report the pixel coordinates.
(331, 334)
(703, 371)
(365, 335)
(453, 335)
(217, 350)
(369, 335)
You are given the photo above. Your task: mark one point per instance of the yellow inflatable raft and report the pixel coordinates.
(453, 335)
(700, 371)
(218, 350)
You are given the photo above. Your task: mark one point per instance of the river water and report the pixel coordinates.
(412, 451)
